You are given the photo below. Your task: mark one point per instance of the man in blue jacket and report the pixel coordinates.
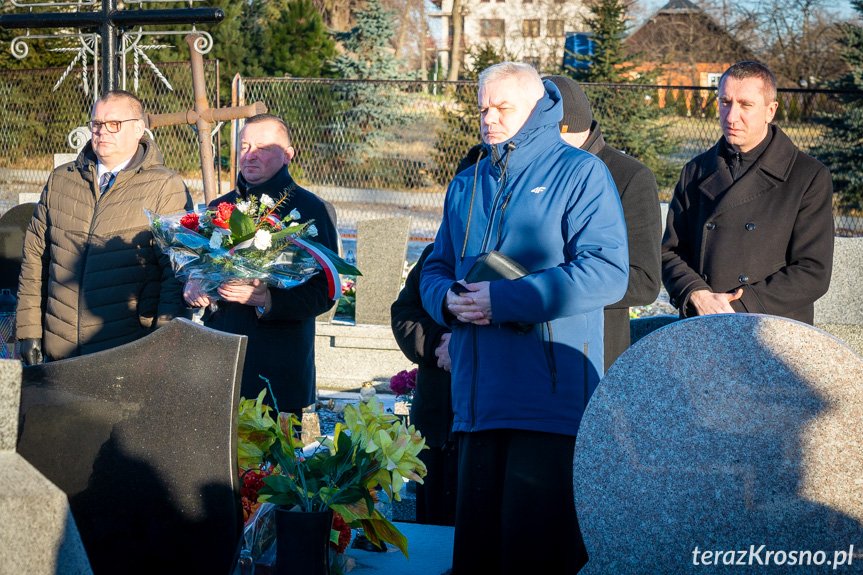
(518, 398)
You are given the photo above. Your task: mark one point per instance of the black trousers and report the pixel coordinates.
(436, 497)
(515, 511)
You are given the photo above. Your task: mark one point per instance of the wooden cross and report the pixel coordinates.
(203, 117)
(112, 24)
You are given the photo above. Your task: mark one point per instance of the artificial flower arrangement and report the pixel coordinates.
(371, 450)
(404, 385)
(246, 241)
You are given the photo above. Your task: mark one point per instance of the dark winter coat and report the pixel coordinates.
(557, 214)
(92, 277)
(770, 232)
(640, 200)
(418, 335)
(281, 344)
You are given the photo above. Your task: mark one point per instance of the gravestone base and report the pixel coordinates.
(348, 355)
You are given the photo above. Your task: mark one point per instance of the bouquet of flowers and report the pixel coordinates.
(246, 241)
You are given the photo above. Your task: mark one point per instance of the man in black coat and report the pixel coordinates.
(639, 197)
(750, 227)
(280, 324)
(426, 343)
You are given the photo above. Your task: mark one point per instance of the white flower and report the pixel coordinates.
(295, 215)
(267, 201)
(313, 231)
(263, 239)
(216, 241)
(244, 207)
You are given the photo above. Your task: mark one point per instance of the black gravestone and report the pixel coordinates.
(143, 440)
(13, 224)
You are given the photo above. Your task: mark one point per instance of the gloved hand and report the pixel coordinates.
(31, 351)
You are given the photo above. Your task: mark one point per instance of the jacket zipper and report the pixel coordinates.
(490, 224)
(84, 263)
(473, 381)
(550, 362)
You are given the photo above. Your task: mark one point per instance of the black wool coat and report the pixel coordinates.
(639, 197)
(770, 232)
(418, 335)
(281, 345)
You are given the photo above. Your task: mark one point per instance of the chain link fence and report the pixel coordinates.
(372, 148)
(36, 121)
(385, 148)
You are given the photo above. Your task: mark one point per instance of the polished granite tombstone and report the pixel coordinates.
(13, 224)
(720, 433)
(142, 438)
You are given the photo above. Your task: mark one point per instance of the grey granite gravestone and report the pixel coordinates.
(13, 224)
(38, 535)
(142, 438)
(381, 249)
(843, 302)
(724, 433)
(642, 326)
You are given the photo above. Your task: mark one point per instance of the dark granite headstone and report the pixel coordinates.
(142, 438)
(13, 224)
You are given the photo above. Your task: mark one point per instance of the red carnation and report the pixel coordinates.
(190, 221)
(225, 209)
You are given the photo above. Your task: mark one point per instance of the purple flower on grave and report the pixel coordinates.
(404, 382)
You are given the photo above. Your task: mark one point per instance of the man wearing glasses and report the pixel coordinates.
(92, 277)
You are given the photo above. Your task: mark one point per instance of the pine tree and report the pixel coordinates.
(370, 109)
(627, 120)
(299, 43)
(844, 152)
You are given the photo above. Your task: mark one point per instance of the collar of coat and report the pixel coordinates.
(540, 131)
(772, 168)
(147, 155)
(275, 187)
(594, 142)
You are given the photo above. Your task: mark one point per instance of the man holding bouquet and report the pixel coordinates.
(280, 324)
(92, 277)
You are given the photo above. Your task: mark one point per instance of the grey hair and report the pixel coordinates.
(135, 105)
(752, 69)
(528, 77)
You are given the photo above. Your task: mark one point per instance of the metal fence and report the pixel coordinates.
(372, 148)
(390, 147)
(36, 121)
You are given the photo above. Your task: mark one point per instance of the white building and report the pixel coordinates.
(532, 31)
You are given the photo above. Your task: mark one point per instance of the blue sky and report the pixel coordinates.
(842, 7)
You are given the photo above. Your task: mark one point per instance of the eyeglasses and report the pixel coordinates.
(113, 126)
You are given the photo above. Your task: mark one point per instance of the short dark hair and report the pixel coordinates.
(283, 127)
(752, 69)
(130, 98)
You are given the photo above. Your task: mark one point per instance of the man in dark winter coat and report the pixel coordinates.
(639, 197)
(280, 323)
(426, 343)
(519, 394)
(93, 277)
(750, 227)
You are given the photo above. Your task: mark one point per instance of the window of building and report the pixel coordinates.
(530, 28)
(713, 79)
(555, 29)
(491, 28)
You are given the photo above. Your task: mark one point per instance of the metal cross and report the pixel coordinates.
(203, 117)
(112, 24)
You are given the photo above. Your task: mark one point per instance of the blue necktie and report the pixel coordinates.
(106, 181)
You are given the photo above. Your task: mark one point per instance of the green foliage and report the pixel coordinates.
(843, 150)
(299, 44)
(628, 121)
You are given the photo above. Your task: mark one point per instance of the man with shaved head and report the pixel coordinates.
(526, 353)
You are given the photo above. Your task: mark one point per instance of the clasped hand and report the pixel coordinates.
(254, 293)
(473, 306)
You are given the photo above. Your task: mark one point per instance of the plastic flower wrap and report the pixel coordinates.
(243, 242)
